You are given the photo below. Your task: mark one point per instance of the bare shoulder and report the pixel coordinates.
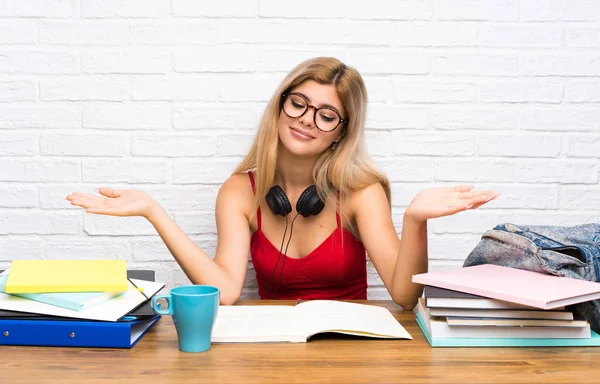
(237, 192)
(364, 203)
(366, 196)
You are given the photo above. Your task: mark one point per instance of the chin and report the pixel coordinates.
(301, 149)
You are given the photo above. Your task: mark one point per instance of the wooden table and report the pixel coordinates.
(156, 358)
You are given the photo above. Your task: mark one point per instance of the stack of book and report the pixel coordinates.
(80, 303)
(490, 305)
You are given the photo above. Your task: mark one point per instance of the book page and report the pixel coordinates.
(357, 319)
(254, 323)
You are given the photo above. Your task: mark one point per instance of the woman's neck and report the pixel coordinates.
(294, 172)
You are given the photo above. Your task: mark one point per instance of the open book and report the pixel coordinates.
(297, 324)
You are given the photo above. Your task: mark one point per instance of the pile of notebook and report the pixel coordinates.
(490, 306)
(79, 303)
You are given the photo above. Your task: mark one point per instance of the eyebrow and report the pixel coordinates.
(322, 105)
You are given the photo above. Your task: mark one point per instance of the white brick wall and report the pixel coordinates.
(164, 95)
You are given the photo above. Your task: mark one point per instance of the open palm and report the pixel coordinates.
(113, 202)
(445, 201)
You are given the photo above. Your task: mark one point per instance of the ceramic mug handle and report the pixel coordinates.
(158, 307)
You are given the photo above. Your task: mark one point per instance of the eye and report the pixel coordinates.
(327, 116)
(297, 104)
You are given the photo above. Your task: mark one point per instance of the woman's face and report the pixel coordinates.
(300, 135)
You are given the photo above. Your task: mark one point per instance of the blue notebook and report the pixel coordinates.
(70, 300)
(506, 342)
(75, 333)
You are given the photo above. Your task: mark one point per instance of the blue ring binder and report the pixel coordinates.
(58, 333)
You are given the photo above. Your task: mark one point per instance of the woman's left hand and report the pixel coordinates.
(444, 201)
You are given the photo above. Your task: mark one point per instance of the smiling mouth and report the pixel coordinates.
(302, 133)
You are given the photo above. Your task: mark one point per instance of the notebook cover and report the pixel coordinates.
(593, 341)
(513, 285)
(57, 333)
(44, 276)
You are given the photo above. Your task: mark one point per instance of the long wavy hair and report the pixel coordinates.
(345, 169)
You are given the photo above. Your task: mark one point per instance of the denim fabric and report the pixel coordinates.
(562, 251)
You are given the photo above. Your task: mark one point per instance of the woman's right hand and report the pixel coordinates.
(128, 202)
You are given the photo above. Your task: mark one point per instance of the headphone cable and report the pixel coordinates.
(278, 257)
(285, 254)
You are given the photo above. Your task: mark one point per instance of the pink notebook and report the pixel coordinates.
(513, 285)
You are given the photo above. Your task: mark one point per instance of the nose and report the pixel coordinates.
(308, 118)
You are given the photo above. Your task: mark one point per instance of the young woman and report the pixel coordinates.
(312, 133)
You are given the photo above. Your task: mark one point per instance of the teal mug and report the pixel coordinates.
(194, 309)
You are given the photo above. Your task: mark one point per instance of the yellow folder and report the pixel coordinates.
(41, 276)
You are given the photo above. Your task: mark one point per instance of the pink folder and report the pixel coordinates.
(513, 285)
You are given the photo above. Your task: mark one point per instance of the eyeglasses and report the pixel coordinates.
(326, 119)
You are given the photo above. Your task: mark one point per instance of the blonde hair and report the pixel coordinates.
(345, 169)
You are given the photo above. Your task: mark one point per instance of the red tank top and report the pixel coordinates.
(330, 272)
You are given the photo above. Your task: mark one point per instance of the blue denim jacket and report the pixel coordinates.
(562, 251)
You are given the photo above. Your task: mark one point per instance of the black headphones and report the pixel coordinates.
(309, 204)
